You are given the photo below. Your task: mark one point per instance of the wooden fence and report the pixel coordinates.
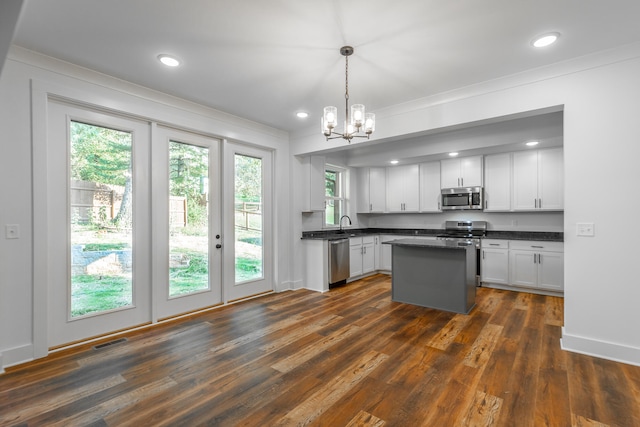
(248, 215)
(92, 202)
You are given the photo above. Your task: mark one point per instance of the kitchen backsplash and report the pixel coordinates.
(520, 221)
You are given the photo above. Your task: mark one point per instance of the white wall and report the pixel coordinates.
(25, 72)
(600, 95)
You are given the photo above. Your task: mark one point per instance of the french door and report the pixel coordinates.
(187, 238)
(248, 222)
(97, 223)
(134, 222)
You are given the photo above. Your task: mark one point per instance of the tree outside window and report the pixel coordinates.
(335, 200)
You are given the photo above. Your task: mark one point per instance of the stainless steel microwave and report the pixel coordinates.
(461, 198)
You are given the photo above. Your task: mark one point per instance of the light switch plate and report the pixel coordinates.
(12, 231)
(585, 229)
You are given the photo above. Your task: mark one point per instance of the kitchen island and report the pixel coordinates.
(434, 273)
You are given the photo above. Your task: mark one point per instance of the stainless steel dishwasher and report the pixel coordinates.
(338, 261)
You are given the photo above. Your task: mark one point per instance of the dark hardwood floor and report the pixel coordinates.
(349, 357)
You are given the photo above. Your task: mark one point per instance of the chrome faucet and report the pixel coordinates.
(344, 216)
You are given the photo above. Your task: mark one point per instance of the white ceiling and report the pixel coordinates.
(266, 59)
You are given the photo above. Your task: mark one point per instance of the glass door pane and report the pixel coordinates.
(188, 219)
(101, 207)
(248, 219)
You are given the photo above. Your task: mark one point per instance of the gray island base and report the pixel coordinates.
(436, 274)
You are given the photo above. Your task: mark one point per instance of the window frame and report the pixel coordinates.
(341, 199)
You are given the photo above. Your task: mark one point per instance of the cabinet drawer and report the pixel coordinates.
(355, 241)
(367, 239)
(495, 244)
(532, 245)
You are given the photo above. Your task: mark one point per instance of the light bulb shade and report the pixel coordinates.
(330, 118)
(357, 115)
(348, 128)
(325, 130)
(369, 123)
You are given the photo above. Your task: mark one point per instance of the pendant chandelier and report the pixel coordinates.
(357, 124)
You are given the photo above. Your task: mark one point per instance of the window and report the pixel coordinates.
(335, 200)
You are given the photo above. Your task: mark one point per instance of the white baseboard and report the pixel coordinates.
(15, 356)
(604, 350)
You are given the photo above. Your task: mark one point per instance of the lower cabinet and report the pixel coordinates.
(537, 266)
(361, 255)
(494, 261)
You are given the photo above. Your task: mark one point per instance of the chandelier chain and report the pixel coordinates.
(346, 77)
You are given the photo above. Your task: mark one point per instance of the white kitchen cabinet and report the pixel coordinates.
(497, 182)
(462, 172)
(313, 177)
(430, 187)
(403, 188)
(371, 190)
(538, 182)
(361, 255)
(494, 261)
(537, 265)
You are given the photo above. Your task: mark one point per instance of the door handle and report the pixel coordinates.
(218, 246)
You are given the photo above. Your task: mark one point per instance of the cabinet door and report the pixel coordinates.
(495, 266)
(523, 268)
(355, 260)
(497, 182)
(371, 190)
(313, 183)
(385, 253)
(411, 188)
(368, 258)
(525, 180)
(430, 187)
(551, 271)
(450, 173)
(550, 179)
(377, 188)
(471, 171)
(394, 189)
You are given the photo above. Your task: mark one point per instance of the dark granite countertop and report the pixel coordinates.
(542, 236)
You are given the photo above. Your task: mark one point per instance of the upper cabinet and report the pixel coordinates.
(430, 187)
(463, 172)
(313, 183)
(403, 189)
(538, 182)
(371, 190)
(497, 182)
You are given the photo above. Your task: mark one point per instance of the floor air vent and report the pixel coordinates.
(107, 344)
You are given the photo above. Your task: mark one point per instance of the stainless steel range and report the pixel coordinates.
(466, 233)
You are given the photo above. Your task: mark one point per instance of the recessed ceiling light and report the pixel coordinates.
(453, 154)
(302, 114)
(394, 162)
(532, 143)
(545, 39)
(168, 60)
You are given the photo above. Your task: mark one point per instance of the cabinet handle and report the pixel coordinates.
(539, 258)
(494, 244)
(370, 207)
(535, 203)
(540, 203)
(461, 182)
(538, 247)
(482, 254)
(535, 258)
(439, 208)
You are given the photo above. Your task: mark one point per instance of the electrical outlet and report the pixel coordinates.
(585, 229)
(12, 231)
